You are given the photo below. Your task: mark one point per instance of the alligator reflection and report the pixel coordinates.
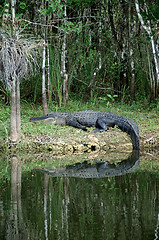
(99, 169)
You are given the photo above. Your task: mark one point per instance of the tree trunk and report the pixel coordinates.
(147, 28)
(65, 88)
(13, 117)
(64, 74)
(13, 16)
(44, 98)
(18, 115)
(132, 84)
(131, 52)
(48, 71)
(151, 77)
(15, 121)
(100, 40)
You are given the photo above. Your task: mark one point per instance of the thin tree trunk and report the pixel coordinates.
(132, 84)
(131, 52)
(147, 28)
(44, 98)
(100, 41)
(124, 65)
(65, 88)
(63, 56)
(124, 43)
(13, 16)
(151, 78)
(13, 9)
(48, 71)
(155, 61)
(64, 74)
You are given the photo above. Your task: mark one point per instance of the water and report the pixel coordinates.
(36, 205)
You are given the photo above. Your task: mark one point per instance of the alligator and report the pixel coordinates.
(98, 169)
(101, 120)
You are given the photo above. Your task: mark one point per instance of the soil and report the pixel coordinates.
(68, 140)
(76, 141)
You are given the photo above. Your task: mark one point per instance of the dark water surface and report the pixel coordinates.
(36, 205)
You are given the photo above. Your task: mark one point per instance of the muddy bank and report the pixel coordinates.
(77, 141)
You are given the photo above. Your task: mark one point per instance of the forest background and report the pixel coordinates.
(97, 51)
(93, 48)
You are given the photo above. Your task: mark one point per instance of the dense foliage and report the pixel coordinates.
(107, 49)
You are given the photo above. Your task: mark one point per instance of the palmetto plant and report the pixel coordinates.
(16, 59)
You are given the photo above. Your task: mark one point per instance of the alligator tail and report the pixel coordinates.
(128, 128)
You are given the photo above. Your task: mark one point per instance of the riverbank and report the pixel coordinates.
(67, 140)
(76, 141)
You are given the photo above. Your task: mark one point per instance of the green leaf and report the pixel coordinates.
(22, 5)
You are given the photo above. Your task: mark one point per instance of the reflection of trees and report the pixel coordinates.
(15, 226)
(100, 208)
(157, 229)
(46, 185)
(122, 207)
(106, 208)
(57, 213)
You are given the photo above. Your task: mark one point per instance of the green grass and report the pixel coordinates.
(146, 116)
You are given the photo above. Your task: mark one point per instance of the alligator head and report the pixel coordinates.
(49, 119)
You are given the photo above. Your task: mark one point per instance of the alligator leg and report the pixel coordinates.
(102, 124)
(74, 123)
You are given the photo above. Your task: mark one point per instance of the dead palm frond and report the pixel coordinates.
(17, 56)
